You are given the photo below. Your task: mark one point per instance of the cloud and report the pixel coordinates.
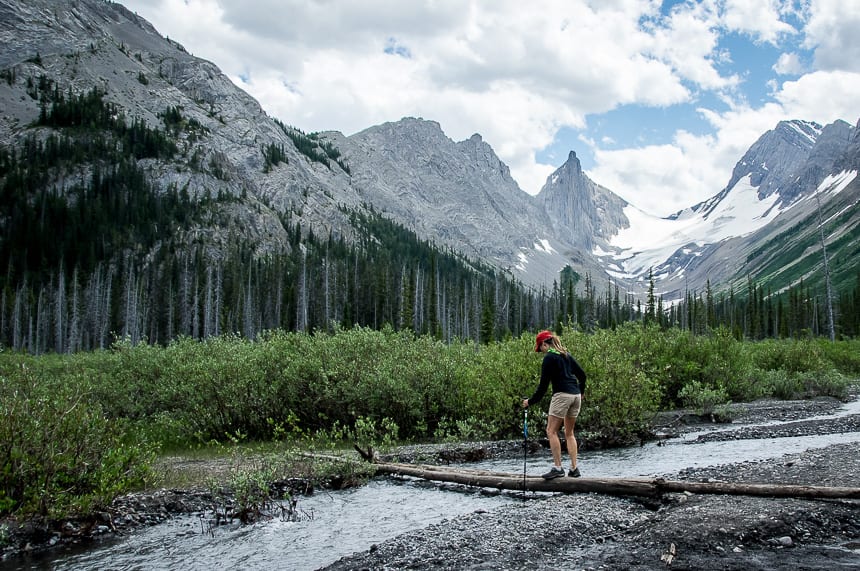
(688, 42)
(515, 76)
(832, 31)
(518, 76)
(761, 19)
(822, 96)
(788, 64)
(662, 179)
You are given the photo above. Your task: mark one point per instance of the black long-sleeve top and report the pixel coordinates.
(563, 372)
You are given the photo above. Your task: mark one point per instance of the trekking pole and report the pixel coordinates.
(525, 446)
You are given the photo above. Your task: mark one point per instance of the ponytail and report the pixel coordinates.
(555, 343)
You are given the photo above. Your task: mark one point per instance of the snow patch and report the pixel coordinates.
(650, 241)
(836, 183)
(794, 125)
(544, 246)
(524, 261)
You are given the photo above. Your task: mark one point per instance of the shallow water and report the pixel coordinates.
(655, 460)
(673, 455)
(340, 523)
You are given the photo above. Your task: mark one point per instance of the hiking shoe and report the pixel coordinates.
(574, 472)
(553, 473)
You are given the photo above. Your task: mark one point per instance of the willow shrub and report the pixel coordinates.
(75, 429)
(843, 355)
(496, 377)
(329, 380)
(59, 454)
(801, 368)
(621, 397)
(292, 386)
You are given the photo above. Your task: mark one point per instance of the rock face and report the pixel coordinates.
(580, 210)
(790, 160)
(85, 44)
(460, 194)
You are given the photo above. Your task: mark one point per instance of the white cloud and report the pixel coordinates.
(760, 19)
(662, 179)
(788, 64)
(822, 96)
(832, 31)
(688, 42)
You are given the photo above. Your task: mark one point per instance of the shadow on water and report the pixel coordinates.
(347, 521)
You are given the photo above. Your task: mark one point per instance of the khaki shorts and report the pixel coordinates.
(565, 405)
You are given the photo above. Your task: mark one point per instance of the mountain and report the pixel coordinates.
(76, 47)
(771, 188)
(252, 179)
(821, 198)
(459, 194)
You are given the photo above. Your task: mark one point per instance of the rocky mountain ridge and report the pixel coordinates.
(771, 188)
(456, 194)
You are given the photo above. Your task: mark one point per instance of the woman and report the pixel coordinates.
(561, 370)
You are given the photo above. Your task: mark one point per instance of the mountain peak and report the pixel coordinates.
(800, 132)
(572, 164)
(580, 210)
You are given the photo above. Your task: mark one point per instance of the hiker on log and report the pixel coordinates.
(567, 378)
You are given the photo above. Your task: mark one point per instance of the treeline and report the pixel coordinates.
(101, 256)
(310, 146)
(386, 277)
(756, 313)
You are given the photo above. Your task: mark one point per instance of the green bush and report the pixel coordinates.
(784, 385)
(702, 398)
(380, 386)
(823, 383)
(844, 355)
(620, 398)
(791, 355)
(59, 455)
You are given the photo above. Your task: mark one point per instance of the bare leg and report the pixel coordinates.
(553, 424)
(572, 447)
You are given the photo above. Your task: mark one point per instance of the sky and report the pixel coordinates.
(659, 100)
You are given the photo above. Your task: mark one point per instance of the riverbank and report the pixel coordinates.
(684, 531)
(595, 531)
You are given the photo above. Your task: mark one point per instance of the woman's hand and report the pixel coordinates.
(525, 403)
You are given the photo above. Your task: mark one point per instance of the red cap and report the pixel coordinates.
(541, 337)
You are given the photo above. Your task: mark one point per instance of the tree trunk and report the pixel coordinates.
(650, 487)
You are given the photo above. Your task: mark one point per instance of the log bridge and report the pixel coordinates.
(645, 487)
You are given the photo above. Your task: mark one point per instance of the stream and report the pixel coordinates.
(338, 523)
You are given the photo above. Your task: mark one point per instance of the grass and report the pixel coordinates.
(203, 467)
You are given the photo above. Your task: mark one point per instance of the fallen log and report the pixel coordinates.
(647, 487)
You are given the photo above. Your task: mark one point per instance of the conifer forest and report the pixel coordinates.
(103, 260)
